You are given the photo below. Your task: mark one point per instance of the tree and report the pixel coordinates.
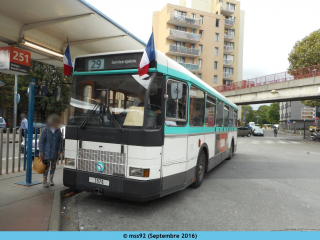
(262, 112)
(273, 115)
(306, 53)
(248, 113)
(44, 74)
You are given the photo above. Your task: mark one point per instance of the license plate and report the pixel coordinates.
(99, 181)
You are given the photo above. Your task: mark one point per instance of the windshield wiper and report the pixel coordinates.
(87, 119)
(115, 121)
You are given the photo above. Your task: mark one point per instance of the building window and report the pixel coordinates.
(202, 19)
(201, 32)
(193, 15)
(179, 59)
(201, 48)
(215, 79)
(179, 13)
(217, 22)
(184, 29)
(216, 51)
(200, 63)
(193, 31)
(215, 65)
(200, 75)
(217, 37)
(197, 107)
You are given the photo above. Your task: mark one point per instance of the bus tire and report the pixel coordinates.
(231, 151)
(200, 170)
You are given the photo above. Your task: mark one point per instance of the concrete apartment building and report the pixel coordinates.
(207, 38)
(292, 111)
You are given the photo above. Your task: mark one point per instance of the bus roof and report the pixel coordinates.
(172, 68)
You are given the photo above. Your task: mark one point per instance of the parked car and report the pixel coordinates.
(244, 131)
(3, 124)
(258, 132)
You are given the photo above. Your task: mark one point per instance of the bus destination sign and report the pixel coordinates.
(108, 62)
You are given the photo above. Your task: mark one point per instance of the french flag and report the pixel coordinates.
(67, 63)
(148, 56)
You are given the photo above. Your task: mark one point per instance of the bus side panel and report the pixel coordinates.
(174, 162)
(194, 144)
(145, 158)
(232, 135)
(210, 140)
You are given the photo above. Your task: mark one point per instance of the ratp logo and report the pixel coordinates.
(100, 166)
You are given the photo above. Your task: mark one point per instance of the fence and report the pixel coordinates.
(182, 34)
(15, 150)
(301, 73)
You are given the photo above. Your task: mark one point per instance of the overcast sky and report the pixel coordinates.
(271, 27)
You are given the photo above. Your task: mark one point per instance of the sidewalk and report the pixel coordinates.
(26, 208)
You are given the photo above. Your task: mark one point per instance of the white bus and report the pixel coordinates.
(141, 138)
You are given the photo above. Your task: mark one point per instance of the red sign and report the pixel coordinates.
(317, 118)
(14, 61)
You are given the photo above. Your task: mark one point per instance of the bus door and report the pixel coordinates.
(174, 160)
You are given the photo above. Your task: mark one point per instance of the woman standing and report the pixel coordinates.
(50, 146)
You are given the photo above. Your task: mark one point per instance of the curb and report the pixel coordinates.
(55, 217)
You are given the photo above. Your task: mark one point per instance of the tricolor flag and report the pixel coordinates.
(67, 63)
(148, 56)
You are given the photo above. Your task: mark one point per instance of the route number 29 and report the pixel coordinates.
(20, 56)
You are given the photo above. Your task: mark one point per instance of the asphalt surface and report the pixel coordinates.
(270, 184)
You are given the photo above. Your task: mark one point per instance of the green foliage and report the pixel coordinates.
(311, 103)
(306, 53)
(44, 74)
(262, 112)
(273, 115)
(249, 113)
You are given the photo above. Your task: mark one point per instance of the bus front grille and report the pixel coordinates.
(114, 162)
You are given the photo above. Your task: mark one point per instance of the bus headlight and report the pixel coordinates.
(139, 172)
(70, 162)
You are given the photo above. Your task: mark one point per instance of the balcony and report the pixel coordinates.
(229, 23)
(227, 75)
(184, 21)
(177, 35)
(228, 36)
(190, 67)
(227, 62)
(228, 49)
(183, 51)
(227, 10)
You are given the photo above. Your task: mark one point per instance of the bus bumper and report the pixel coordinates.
(123, 188)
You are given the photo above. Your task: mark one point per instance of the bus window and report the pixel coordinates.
(226, 116)
(219, 114)
(197, 106)
(87, 95)
(235, 118)
(210, 111)
(230, 117)
(154, 119)
(176, 104)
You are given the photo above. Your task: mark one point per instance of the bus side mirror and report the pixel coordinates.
(176, 90)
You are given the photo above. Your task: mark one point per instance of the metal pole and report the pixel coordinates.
(35, 141)
(1, 148)
(25, 149)
(15, 101)
(19, 150)
(7, 152)
(304, 129)
(13, 148)
(30, 130)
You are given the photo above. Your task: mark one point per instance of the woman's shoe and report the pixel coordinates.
(45, 184)
(51, 183)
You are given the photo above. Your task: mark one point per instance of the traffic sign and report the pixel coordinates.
(244, 118)
(288, 121)
(14, 61)
(308, 113)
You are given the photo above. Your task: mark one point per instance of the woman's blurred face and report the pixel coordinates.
(55, 124)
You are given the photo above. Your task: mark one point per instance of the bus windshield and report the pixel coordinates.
(116, 101)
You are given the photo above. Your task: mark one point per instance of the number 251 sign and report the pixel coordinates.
(14, 61)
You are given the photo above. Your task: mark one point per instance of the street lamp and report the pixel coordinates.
(274, 92)
(257, 119)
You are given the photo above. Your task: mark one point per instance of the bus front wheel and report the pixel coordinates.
(200, 170)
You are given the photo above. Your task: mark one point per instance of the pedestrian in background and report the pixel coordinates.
(50, 146)
(24, 125)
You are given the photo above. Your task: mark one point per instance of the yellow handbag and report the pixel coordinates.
(38, 166)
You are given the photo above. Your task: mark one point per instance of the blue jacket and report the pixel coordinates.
(50, 143)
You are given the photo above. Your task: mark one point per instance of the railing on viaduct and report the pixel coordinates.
(300, 73)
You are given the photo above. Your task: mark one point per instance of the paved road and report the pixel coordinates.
(270, 184)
